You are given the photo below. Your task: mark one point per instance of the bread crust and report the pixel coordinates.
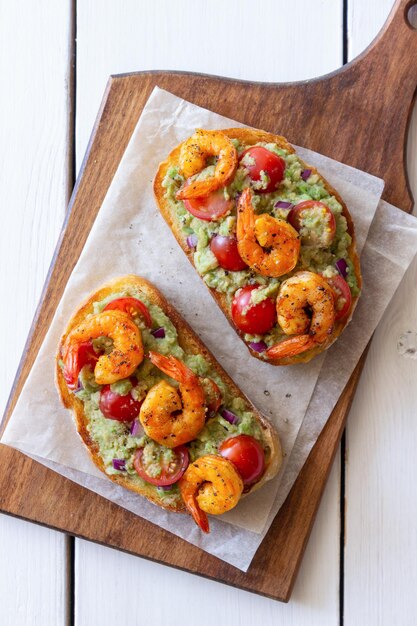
(251, 136)
(191, 343)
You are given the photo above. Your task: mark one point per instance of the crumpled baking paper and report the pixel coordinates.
(130, 236)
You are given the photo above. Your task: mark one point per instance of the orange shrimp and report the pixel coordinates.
(193, 158)
(306, 310)
(211, 484)
(121, 362)
(169, 415)
(269, 246)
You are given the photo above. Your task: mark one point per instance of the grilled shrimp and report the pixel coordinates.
(193, 158)
(210, 485)
(306, 310)
(269, 246)
(169, 415)
(127, 352)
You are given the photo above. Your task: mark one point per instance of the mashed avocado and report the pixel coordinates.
(114, 439)
(319, 251)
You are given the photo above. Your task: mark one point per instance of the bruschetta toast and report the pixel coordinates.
(156, 411)
(269, 236)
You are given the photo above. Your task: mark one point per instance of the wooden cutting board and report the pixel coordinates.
(358, 115)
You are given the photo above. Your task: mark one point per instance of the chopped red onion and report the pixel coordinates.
(258, 346)
(192, 241)
(158, 333)
(305, 174)
(342, 267)
(229, 416)
(283, 205)
(79, 386)
(165, 487)
(119, 464)
(136, 429)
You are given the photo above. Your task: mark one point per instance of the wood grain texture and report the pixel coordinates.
(181, 37)
(34, 191)
(62, 504)
(272, 573)
(314, 602)
(33, 577)
(381, 538)
(315, 599)
(277, 560)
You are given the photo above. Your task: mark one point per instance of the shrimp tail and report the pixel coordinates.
(198, 515)
(248, 248)
(70, 371)
(200, 187)
(246, 216)
(291, 347)
(171, 367)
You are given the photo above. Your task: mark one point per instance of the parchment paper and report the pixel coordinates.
(129, 236)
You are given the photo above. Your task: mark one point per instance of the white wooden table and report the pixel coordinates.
(55, 57)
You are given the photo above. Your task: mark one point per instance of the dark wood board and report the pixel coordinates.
(358, 115)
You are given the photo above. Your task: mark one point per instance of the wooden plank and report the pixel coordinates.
(315, 600)
(412, 132)
(34, 575)
(381, 540)
(318, 581)
(313, 103)
(35, 57)
(208, 36)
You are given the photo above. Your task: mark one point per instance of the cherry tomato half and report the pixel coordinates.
(117, 407)
(85, 355)
(343, 296)
(247, 454)
(209, 208)
(169, 475)
(226, 252)
(256, 319)
(268, 162)
(131, 306)
(301, 212)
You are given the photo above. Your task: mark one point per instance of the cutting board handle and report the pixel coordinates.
(397, 30)
(393, 55)
(376, 92)
(357, 115)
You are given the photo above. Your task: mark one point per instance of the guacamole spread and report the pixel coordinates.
(118, 441)
(319, 252)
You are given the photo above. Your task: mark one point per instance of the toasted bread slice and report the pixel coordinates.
(249, 137)
(191, 344)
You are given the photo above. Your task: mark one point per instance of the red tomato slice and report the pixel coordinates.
(84, 355)
(266, 161)
(247, 454)
(299, 212)
(169, 475)
(343, 296)
(255, 319)
(226, 252)
(209, 208)
(117, 407)
(131, 306)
